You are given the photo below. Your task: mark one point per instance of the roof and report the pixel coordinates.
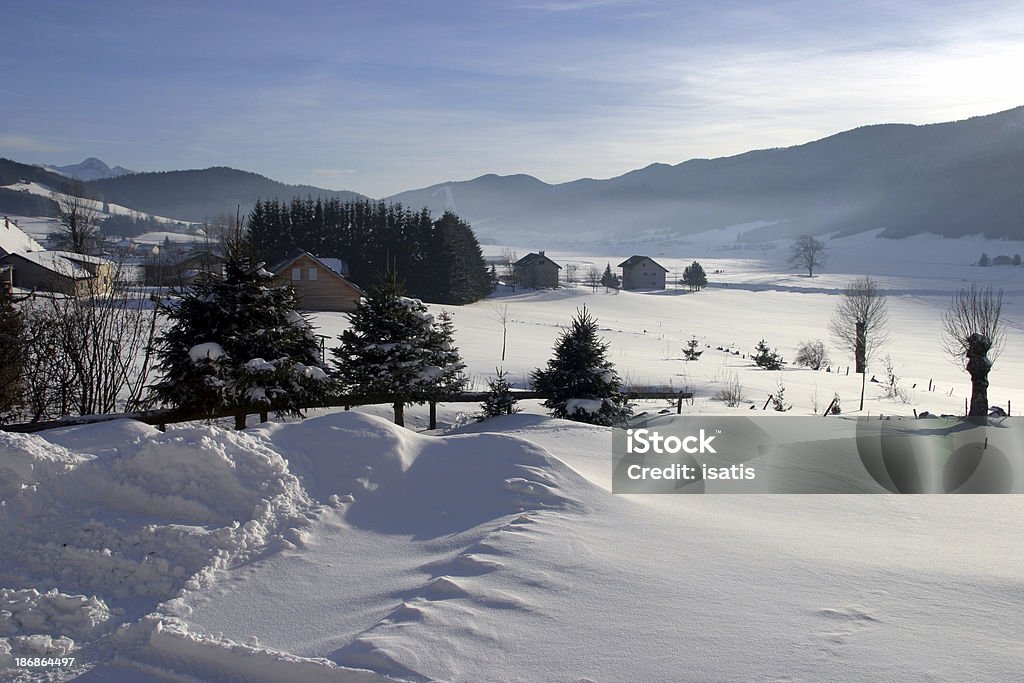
(66, 263)
(325, 262)
(14, 240)
(637, 259)
(533, 258)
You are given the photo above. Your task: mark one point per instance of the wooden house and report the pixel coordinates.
(537, 271)
(319, 286)
(63, 272)
(642, 272)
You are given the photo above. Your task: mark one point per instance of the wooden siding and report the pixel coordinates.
(328, 292)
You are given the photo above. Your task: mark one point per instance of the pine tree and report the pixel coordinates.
(395, 351)
(580, 382)
(14, 343)
(500, 400)
(609, 280)
(690, 351)
(236, 341)
(766, 358)
(695, 277)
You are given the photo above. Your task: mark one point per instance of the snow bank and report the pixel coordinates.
(133, 526)
(26, 462)
(207, 351)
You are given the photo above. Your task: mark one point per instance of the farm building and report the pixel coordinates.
(537, 271)
(642, 272)
(61, 271)
(318, 282)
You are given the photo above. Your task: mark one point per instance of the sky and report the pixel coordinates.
(385, 96)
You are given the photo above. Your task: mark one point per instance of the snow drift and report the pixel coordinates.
(344, 548)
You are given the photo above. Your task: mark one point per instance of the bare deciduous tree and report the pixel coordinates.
(501, 314)
(807, 253)
(860, 320)
(78, 222)
(973, 335)
(592, 278)
(811, 354)
(89, 355)
(570, 273)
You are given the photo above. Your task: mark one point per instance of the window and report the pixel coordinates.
(296, 274)
(312, 274)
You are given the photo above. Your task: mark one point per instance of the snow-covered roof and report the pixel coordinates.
(64, 263)
(636, 260)
(14, 240)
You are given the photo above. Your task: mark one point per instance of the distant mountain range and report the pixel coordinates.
(952, 179)
(90, 169)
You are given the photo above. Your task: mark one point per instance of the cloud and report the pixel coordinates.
(25, 143)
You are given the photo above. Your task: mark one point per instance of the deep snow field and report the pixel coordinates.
(344, 548)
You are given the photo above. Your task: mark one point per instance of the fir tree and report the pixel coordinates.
(395, 351)
(694, 277)
(766, 358)
(690, 351)
(500, 400)
(580, 382)
(609, 280)
(238, 342)
(14, 343)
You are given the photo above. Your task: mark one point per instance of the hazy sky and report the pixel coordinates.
(384, 96)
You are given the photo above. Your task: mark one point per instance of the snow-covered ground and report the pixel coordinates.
(345, 548)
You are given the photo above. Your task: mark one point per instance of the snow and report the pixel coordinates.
(14, 240)
(342, 547)
(207, 351)
(585, 405)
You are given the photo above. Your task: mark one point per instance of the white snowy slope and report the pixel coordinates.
(345, 548)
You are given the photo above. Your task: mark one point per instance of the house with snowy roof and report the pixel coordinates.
(642, 272)
(14, 240)
(31, 267)
(319, 282)
(64, 272)
(537, 271)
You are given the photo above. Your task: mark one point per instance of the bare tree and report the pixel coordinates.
(973, 335)
(78, 222)
(570, 272)
(811, 354)
(89, 355)
(860, 321)
(807, 253)
(501, 314)
(508, 260)
(592, 278)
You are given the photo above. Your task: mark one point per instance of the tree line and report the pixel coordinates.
(439, 260)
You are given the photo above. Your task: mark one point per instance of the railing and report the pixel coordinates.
(163, 417)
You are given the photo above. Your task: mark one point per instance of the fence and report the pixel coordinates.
(163, 417)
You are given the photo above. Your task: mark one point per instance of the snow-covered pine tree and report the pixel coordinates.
(14, 342)
(237, 341)
(395, 351)
(499, 399)
(580, 382)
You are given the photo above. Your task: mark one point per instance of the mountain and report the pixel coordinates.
(950, 178)
(90, 169)
(200, 194)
